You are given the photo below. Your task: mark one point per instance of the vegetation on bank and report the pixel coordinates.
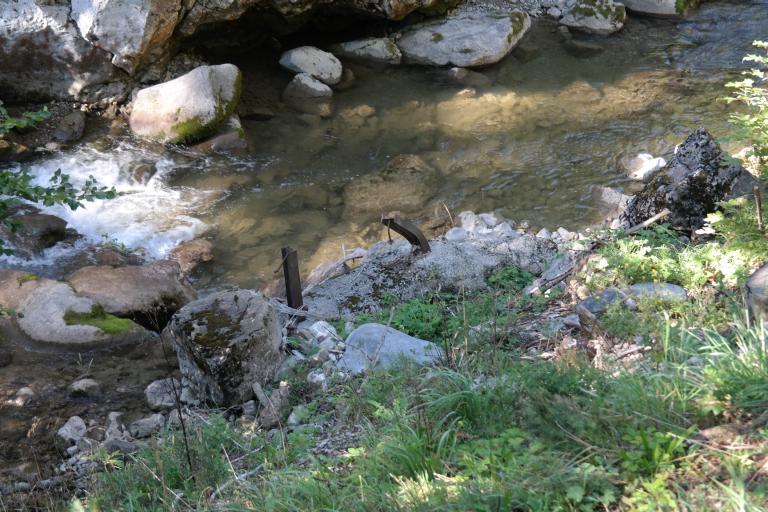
(496, 426)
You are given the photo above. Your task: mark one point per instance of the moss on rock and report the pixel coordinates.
(100, 319)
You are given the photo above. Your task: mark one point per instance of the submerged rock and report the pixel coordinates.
(229, 138)
(691, 184)
(376, 50)
(148, 293)
(470, 39)
(405, 184)
(321, 65)
(376, 346)
(188, 108)
(224, 343)
(595, 16)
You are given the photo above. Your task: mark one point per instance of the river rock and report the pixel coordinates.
(470, 39)
(601, 17)
(225, 343)
(133, 31)
(655, 7)
(145, 427)
(147, 292)
(188, 108)
(274, 408)
(375, 50)
(70, 129)
(11, 151)
(321, 65)
(160, 394)
(691, 184)
(757, 294)
(71, 432)
(85, 387)
(405, 184)
(376, 346)
(46, 316)
(36, 231)
(307, 94)
(191, 254)
(43, 56)
(468, 78)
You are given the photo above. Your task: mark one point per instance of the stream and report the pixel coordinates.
(534, 144)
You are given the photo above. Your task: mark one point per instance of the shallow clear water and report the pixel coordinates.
(533, 144)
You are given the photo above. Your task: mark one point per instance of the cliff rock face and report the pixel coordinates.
(98, 50)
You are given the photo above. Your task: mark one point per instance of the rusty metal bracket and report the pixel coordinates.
(408, 231)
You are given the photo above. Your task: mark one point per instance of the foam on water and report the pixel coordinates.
(152, 218)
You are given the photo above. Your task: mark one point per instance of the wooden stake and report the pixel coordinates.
(409, 231)
(759, 207)
(292, 277)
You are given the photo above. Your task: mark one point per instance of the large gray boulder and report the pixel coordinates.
(601, 17)
(225, 343)
(376, 50)
(130, 30)
(656, 7)
(43, 56)
(310, 60)
(376, 346)
(142, 292)
(188, 108)
(469, 39)
(54, 313)
(691, 184)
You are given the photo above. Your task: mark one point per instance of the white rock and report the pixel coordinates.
(488, 219)
(21, 397)
(189, 107)
(373, 346)
(307, 59)
(554, 12)
(544, 233)
(379, 50)
(644, 167)
(456, 235)
(595, 16)
(322, 331)
(309, 95)
(469, 39)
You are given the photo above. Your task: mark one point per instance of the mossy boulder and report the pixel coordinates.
(661, 7)
(188, 108)
(225, 343)
(54, 313)
(470, 39)
(601, 17)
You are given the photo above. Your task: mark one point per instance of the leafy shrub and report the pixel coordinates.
(752, 92)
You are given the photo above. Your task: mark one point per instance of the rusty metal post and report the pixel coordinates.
(292, 277)
(408, 231)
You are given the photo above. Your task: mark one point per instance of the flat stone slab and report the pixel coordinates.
(466, 40)
(376, 346)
